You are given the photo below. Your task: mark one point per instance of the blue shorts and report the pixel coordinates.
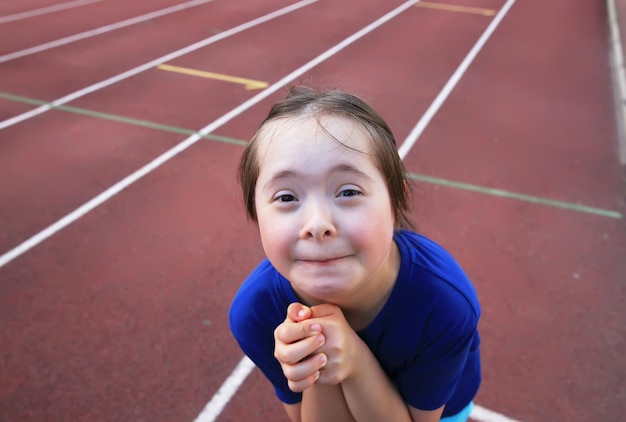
(462, 416)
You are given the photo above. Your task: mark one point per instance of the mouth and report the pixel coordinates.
(321, 261)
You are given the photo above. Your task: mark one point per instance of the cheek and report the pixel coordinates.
(375, 216)
(372, 237)
(370, 231)
(275, 236)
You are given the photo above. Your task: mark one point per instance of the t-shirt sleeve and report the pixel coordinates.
(252, 322)
(450, 335)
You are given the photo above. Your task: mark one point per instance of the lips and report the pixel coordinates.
(321, 260)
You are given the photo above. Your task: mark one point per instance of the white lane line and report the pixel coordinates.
(171, 153)
(454, 79)
(228, 389)
(619, 77)
(480, 414)
(132, 72)
(45, 10)
(103, 29)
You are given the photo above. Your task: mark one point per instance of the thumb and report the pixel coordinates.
(297, 312)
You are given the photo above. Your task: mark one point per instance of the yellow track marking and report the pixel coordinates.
(249, 83)
(454, 8)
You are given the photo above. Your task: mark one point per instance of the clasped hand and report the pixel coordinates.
(316, 345)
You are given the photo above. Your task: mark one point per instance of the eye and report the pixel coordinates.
(346, 193)
(285, 197)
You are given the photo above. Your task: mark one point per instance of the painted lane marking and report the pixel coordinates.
(454, 79)
(45, 10)
(132, 72)
(455, 8)
(182, 146)
(227, 390)
(481, 414)
(123, 119)
(102, 30)
(571, 206)
(248, 83)
(618, 71)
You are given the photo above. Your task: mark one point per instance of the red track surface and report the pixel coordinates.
(121, 316)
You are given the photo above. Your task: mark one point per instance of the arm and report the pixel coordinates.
(320, 403)
(294, 412)
(368, 393)
(371, 396)
(351, 386)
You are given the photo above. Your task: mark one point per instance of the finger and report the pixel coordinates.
(294, 353)
(301, 385)
(297, 312)
(305, 368)
(290, 332)
(325, 309)
(305, 373)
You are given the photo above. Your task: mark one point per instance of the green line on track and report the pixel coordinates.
(519, 196)
(122, 119)
(421, 178)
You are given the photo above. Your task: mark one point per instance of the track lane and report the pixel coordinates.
(263, 53)
(522, 111)
(10, 108)
(48, 171)
(57, 72)
(410, 68)
(106, 321)
(72, 21)
(10, 8)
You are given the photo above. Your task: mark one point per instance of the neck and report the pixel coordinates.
(365, 306)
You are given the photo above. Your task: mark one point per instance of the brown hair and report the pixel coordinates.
(304, 100)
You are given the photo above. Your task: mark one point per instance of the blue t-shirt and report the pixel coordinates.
(425, 337)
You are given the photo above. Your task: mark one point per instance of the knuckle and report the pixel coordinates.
(288, 372)
(295, 387)
(278, 332)
(279, 355)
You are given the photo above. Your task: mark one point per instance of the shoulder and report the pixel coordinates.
(435, 275)
(260, 302)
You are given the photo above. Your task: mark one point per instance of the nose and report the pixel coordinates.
(318, 221)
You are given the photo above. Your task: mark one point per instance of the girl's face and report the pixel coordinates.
(324, 213)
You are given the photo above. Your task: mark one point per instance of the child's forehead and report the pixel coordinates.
(314, 149)
(304, 130)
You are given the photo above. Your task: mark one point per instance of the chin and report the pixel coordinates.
(323, 293)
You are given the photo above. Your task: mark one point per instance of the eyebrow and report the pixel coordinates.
(339, 168)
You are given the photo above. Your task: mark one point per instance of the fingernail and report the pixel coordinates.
(301, 313)
(323, 360)
(316, 328)
(321, 339)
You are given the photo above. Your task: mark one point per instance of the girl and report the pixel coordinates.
(352, 316)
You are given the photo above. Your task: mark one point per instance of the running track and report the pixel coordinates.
(123, 238)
